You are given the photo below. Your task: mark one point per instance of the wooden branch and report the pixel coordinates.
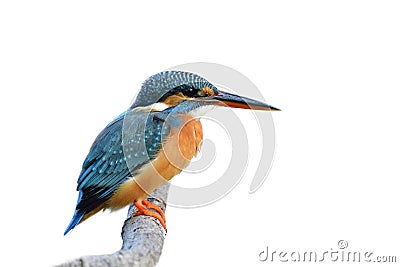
(143, 239)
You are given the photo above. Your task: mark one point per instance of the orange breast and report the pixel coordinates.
(189, 139)
(177, 151)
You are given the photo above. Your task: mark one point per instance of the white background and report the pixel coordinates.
(68, 68)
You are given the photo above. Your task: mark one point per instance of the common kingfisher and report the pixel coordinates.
(149, 143)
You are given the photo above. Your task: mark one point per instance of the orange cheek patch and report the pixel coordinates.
(207, 91)
(174, 100)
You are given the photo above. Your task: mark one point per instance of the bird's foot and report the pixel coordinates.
(145, 207)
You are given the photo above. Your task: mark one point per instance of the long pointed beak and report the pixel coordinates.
(236, 101)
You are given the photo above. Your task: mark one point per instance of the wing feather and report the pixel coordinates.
(129, 142)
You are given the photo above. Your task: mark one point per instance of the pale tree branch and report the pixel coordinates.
(142, 236)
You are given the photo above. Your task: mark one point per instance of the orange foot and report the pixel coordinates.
(143, 208)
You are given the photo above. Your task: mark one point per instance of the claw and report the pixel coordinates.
(150, 205)
(144, 208)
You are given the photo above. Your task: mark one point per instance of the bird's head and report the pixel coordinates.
(173, 88)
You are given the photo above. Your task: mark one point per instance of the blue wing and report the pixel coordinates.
(126, 144)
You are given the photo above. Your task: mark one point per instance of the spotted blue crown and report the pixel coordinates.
(155, 87)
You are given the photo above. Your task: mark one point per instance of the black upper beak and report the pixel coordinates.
(236, 101)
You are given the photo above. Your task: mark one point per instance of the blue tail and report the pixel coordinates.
(78, 215)
(75, 220)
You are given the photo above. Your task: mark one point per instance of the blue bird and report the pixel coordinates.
(148, 144)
